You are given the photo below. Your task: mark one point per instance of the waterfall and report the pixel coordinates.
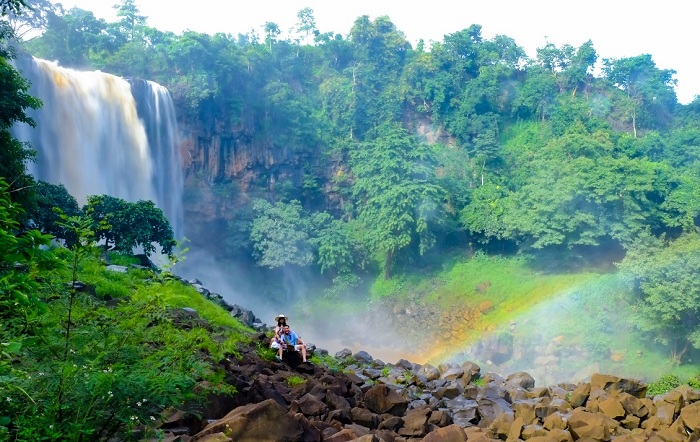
(100, 134)
(157, 111)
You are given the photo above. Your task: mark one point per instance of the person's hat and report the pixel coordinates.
(280, 316)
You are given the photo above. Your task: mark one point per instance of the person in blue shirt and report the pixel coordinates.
(289, 337)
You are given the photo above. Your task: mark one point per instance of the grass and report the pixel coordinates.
(294, 380)
(177, 295)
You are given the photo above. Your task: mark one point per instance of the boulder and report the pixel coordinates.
(614, 384)
(690, 416)
(382, 399)
(415, 423)
(264, 421)
(452, 433)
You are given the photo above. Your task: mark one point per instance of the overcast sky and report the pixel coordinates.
(668, 30)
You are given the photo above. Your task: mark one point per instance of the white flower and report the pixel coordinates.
(9, 399)
(138, 404)
(153, 418)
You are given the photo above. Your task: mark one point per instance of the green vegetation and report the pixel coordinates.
(74, 367)
(663, 385)
(126, 225)
(462, 172)
(293, 381)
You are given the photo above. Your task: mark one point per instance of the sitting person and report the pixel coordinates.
(276, 342)
(290, 338)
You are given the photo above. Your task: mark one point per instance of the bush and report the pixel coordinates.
(694, 382)
(663, 385)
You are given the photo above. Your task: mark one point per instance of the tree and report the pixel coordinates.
(8, 7)
(536, 95)
(306, 24)
(34, 18)
(131, 23)
(578, 191)
(339, 246)
(665, 280)
(280, 234)
(681, 208)
(73, 38)
(272, 31)
(53, 200)
(396, 192)
(649, 91)
(14, 102)
(580, 68)
(485, 212)
(127, 225)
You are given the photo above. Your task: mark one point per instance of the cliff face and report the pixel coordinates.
(222, 164)
(226, 155)
(225, 163)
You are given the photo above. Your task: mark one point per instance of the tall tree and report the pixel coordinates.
(131, 22)
(649, 91)
(398, 198)
(272, 31)
(306, 25)
(279, 234)
(14, 102)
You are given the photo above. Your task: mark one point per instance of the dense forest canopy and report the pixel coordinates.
(461, 144)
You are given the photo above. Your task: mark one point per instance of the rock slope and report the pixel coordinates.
(369, 400)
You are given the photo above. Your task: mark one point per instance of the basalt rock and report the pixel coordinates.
(375, 401)
(332, 406)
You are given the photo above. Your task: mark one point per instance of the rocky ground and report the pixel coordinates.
(369, 400)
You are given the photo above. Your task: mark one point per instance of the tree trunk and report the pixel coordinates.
(388, 260)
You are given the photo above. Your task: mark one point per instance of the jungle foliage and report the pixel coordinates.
(464, 143)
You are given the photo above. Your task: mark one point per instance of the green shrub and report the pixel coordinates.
(663, 385)
(265, 352)
(334, 364)
(694, 382)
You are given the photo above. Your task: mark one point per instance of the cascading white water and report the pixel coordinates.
(157, 111)
(93, 137)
